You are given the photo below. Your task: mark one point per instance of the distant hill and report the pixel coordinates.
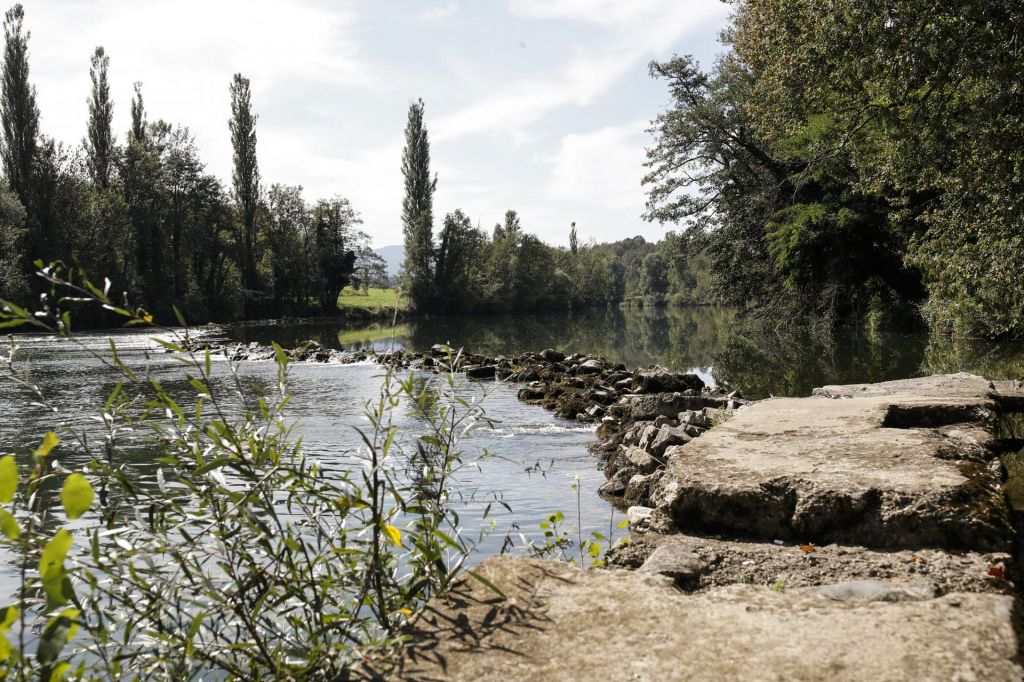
(394, 255)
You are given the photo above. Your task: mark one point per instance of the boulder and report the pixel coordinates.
(482, 372)
(590, 367)
(640, 460)
(667, 437)
(552, 355)
(659, 380)
(639, 487)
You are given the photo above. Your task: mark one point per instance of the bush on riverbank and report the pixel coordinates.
(235, 555)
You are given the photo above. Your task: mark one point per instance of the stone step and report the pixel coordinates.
(899, 464)
(554, 621)
(704, 563)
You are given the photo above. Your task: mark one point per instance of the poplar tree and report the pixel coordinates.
(417, 208)
(99, 143)
(573, 240)
(138, 129)
(18, 109)
(246, 174)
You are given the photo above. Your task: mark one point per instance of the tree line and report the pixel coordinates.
(854, 160)
(145, 212)
(463, 268)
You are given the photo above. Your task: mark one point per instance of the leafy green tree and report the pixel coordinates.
(417, 210)
(99, 142)
(458, 279)
(245, 177)
(921, 103)
(288, 244)
(137, 133)
(654, 278)
(13, 283)
(335, 244)
(573, 242)
(18, 110)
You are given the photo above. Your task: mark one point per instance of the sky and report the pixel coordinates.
(537, 105)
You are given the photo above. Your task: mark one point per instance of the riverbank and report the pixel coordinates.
(860, 534)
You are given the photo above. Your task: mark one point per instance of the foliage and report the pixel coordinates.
(99, 142)
(417, 210)
(18, 110)
(246, 176)
(244, 559)
(13, 283)
(149, 214)
(851, 158)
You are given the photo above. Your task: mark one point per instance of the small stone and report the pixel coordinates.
(675, 560)
(638, 515)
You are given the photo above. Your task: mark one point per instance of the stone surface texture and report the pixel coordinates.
(558, 622)
(898, 464)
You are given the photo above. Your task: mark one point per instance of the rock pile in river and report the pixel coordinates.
(641, 413)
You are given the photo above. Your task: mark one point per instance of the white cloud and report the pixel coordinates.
(601, 168)
(606, 12)
(640, 31)
(185, 53)
(438, 12)
(331, 81)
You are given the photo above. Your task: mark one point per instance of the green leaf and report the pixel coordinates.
(622, 524)
(51, 568)
(8, 478)
(59, 631)
(9, 525)
(50, 441)
(76, 495)
(8, 616)
(59, 670)
(594, 549)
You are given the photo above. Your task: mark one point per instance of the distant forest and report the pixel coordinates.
(845, 162)
(849, 162)
(145, 214)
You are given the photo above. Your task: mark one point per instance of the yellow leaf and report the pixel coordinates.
(394, 534)
(50, 441)
(407, 612)
(8, 478)
(148, 318)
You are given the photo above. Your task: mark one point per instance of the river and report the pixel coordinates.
(535, 459)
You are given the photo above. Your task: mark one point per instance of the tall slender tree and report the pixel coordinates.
(417, 208)
(573, 240)
(246, 175)
(99, 142)
(18, 109)
(138, 129)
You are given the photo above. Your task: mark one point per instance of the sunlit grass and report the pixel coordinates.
(371, 298)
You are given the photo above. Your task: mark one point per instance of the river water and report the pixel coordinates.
(535, 458)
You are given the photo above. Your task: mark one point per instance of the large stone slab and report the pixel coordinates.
(558, 622)
(898, 464)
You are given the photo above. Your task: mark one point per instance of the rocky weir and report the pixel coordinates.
(861, 533)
